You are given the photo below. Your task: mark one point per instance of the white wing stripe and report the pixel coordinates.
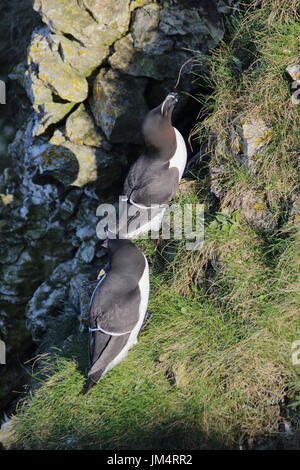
(94, 291)
(109, 332)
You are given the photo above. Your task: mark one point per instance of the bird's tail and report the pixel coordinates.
(146, 320)
(135, 220)
(97, 343)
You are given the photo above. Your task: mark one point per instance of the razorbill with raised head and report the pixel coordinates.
(153, 179)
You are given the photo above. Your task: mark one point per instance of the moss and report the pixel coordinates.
(264, 138)
(58, 155)
(137, 4)
(259, 207)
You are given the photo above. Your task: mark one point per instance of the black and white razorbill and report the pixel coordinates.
(118, 308)
(154, 178)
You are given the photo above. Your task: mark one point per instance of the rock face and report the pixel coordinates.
(90, 22)
(92, 68)
(118, 105)
(247, 142)
(294, 72)
(17, 21)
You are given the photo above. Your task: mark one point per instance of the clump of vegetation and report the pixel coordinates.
(213, 369)
(248, 79)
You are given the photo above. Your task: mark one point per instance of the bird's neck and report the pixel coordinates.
(162, 145)
(125, 281)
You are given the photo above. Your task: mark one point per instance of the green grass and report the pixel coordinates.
(213, 368)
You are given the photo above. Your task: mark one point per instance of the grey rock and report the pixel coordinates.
(87, 251)
(84, 224)
(181, 21)
(145, 32)
(81, 289)
(65, 82)
(86, 232)
(59, 162)
(217, 171)
(255, 211)
(81, 129)
(226, 7)
(162, 39)
(83, 59)
(89, 22)
(6, 434)
(295, 207)
(295, 98)
(46, 63)
(131, 61)
(118, 105)
(47, 301)
(253, 136)
(294, 71)
(112, 18)
(12, 255)
(70, 203)
(69, 163)
(50, 113)
(45, 75)
(193, 23)
(247, 142)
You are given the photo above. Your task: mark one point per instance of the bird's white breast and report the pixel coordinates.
(144, 292)
(179, 158)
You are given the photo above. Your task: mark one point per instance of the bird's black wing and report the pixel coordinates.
(116, 316)
(151, 184)
(113, 310)
(141, 173)
(103, 356)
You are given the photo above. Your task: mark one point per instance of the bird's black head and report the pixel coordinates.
(121, 249)
(115, 244)
(126, 258)
(162, 114)
(158, 132)
(167, 106)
